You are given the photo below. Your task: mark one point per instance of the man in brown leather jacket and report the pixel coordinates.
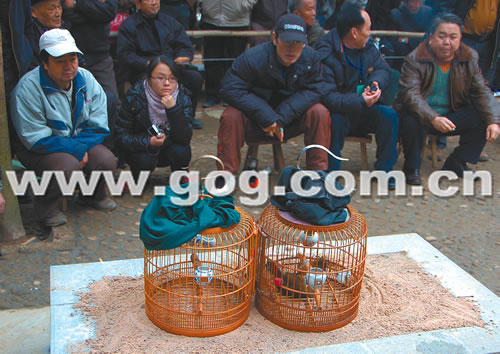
(442, 92)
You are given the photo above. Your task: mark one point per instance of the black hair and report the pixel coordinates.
(44, 56)
(446, 18)
(153, 63)
(349, 17)
(295, 5)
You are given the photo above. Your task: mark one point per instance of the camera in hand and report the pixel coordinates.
(373, 87)
(153, 130)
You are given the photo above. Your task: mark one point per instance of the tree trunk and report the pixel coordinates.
(11, 225)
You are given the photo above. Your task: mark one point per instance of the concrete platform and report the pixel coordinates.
(69, 328)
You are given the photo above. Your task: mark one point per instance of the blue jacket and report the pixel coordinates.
(47, 122)
(263, 89)
(137, 44)
(340, 95)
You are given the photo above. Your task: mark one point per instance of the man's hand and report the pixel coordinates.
(168, 101)
(275, 130)
(181, 60)
(492, 132)
(2, 204)
(84, 160)
(443, 124)
(157, 140)
(371, 97)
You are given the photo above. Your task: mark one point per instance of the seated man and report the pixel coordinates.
(150, 33)
(442, 92)
(307, 10)
(356, 75)
(273, 91)
(59, 112)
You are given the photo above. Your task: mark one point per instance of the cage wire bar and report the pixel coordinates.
(309, 277)
(203, 288)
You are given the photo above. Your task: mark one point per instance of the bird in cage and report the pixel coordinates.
(293, 283)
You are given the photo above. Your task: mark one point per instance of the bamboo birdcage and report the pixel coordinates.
(309, 277)
(203, 288)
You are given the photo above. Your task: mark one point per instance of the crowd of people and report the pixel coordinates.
(320, 74)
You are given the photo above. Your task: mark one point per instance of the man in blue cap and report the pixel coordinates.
(274, 90)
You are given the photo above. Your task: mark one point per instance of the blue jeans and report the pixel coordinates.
(469, 125)
(380, 120)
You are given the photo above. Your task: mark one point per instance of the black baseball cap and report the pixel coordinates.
(291, 28)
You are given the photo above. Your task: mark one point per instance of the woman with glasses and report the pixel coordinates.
(154, 124)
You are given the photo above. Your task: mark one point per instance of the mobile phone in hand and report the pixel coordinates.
(153, 130)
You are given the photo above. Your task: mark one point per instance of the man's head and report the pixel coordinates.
(353, 26)
(413, 5)
(305, 9)
(289, 37)
(47, 12)
(445, 36)
(58, 52)
(149, 8)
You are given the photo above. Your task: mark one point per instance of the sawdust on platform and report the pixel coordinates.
(398, 297)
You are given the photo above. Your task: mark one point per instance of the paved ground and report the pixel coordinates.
(466, 229)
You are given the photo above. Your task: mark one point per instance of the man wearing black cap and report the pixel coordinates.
(273, 91)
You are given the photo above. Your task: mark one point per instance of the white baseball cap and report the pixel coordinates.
(58, 42)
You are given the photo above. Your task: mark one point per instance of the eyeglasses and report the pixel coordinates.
(162, 79)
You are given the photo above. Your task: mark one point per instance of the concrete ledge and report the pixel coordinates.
(68, 328)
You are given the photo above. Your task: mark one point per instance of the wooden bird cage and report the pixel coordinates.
(203, 288)
(309, 277)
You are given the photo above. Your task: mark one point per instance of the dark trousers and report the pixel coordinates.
(485, 50)
(235, 129)
(220, 48)
(193, 80)
(380, 120)
(469, 126)
(100, 159)
(173, 155)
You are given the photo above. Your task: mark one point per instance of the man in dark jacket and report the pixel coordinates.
(151, 33)
(47, 15)
(274, 91)
(356, 75)
(411, 16)
(89, 24)
(17, 31)
(442, 92)
(307, 10)
(265, 15)
(481, 31)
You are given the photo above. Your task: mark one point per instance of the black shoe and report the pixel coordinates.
(196, 124)
(412, 176)
(209, 103)
(454, 164)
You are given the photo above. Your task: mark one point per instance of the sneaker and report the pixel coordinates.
(483, 157)
(196, 124)
(56, 220)
(107, 204)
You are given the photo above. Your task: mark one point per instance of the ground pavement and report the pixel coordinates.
(466, 229)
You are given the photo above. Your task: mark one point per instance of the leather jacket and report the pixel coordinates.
(467, 84)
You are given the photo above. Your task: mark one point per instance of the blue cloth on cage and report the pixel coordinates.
(165, 225)
(322, 208)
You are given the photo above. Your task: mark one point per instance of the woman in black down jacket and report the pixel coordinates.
(160, 100)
